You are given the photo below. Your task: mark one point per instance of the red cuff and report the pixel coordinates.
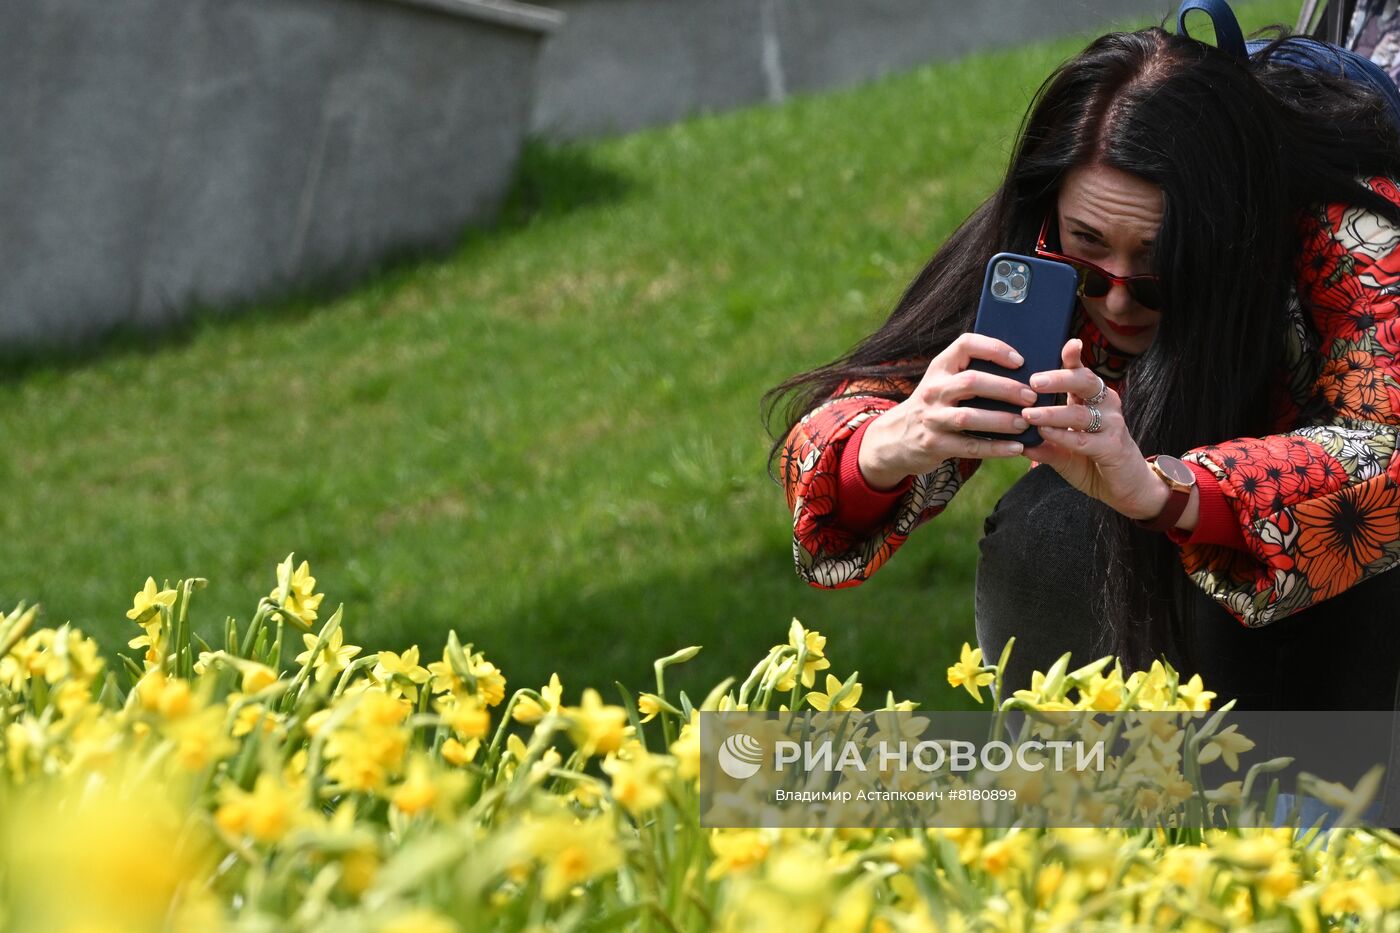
(858, 507)
(1216, 523)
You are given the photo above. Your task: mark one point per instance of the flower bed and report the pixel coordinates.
(205, 787)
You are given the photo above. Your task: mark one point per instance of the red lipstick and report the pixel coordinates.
(1128, 331)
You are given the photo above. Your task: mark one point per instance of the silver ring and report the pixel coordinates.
(1095, 420)
(1099, 396)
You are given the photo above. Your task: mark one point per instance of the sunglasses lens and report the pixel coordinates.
(1147, 294)
(1095, 283)
(1092, 284)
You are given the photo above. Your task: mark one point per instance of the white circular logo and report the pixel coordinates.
(740, 756)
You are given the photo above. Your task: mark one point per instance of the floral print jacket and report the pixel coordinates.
(1318, 503)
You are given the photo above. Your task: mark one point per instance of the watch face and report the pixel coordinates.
(1176, 471)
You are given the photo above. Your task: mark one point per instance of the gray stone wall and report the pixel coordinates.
(620, 65)
(165, 154)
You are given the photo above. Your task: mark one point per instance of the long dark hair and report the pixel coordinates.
(1239, 148)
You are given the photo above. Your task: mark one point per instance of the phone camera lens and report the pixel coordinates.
(1018, 281)
(1003, 268)
(999, 289)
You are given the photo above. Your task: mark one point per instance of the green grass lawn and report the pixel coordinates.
(550, 439)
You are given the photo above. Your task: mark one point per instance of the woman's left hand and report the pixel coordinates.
(1106, 464)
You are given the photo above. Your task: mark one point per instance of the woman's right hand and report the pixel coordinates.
(925, 429)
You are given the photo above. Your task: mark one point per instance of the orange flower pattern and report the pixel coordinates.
(1318, 502)
(826, 555)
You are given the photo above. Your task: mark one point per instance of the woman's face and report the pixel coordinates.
(1111, 219)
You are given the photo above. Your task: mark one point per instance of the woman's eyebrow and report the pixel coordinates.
(1090, 230)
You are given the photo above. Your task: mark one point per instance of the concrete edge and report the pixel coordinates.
(509, 13)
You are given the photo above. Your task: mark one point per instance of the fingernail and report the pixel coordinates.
(1031, 415)
(1028, 397)
(1021, 424)
(1014, 448)
(1017, 359)
(1037, 382)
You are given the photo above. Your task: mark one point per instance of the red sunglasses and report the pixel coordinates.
(1096, 283)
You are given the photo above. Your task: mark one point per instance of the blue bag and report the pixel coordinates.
(1299, 51)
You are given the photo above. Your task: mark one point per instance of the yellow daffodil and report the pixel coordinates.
(737, 851)
(401, 673)
(182, 800)
(968, 672)
(457, 753)
(908, 852)
(267, 813)
(149, 597)
(517, 753)
(333, 657)
(100, 855)
(822, 701)
(639, 780)
(815, 660)
(1103, 693)
(1348, 798)
(199, 738)
(686, 748)
(302, 600)
(1193, 696)
(1002, 855)
(595, 727)
(1358, 897)
(255, 716)
(529, 711)
(424, 789)
(465, 715)
(649, 705)
(256, 676)
(63, 654)
(1152, 687)
(573, 852)
(490, 682)
(443, 678)
(1227, 746)
(1036, 697)
(369, 748)
(166, 696)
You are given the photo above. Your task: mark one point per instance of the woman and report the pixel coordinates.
(1243, 218)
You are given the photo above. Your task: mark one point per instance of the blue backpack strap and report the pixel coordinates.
(1316, 55)
(1228, 35)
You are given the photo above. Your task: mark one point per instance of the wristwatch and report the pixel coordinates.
(1180, 481)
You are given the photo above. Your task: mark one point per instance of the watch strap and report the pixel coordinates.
(1177, 500)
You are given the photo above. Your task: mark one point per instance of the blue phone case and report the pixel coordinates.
(1037, 327)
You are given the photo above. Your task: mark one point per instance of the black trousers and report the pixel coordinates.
(1035, 581)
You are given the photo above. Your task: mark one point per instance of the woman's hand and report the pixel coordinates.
(1106, 464)
(925, 429)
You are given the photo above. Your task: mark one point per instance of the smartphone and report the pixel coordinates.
(1027, 302)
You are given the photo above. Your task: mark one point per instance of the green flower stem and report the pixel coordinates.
(494, 749)
(265, 606)
(659, 666)
(15, 633)
(346, 675)
(327, 631)
(274, 658)
(759, 669)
